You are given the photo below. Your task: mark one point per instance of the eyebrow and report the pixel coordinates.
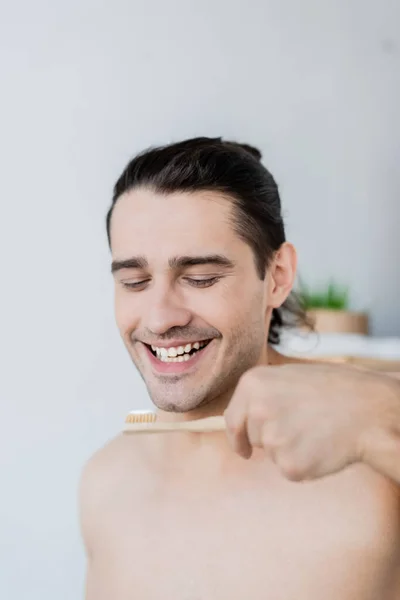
(176, 262)
(136, 262)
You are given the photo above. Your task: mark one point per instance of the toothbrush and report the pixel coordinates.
(146, 422)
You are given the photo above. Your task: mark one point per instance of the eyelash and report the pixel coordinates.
(203, 282)
(199, 283)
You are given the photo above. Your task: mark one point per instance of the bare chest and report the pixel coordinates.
(334, 539)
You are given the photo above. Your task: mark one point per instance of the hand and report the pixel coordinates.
(313, 419)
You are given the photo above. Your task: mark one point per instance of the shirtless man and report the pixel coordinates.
(300, 499)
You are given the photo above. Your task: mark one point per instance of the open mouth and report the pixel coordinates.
(178, 353)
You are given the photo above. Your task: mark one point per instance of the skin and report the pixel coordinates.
(309, 513)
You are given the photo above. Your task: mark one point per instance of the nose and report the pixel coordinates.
(166, 309)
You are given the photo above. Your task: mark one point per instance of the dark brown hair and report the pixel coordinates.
(234, 170)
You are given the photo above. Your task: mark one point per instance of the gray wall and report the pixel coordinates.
(84, 85)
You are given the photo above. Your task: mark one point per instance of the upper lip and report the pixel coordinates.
(174, 344)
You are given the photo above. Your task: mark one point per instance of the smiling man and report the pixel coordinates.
(203, 278)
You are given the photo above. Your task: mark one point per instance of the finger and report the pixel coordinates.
(236, 429)
(258, 421)
(289, 466)
(273, 435)
(294, 460)
(255, 432)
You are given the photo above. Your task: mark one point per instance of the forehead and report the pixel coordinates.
(145, 221)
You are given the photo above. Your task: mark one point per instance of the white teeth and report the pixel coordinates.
(183, 358)
(174, 358)
(177, 354)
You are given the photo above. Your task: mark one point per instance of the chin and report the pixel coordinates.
(178, 407)
(185, 398)
(171, 404)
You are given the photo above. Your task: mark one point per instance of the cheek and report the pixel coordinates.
(246, 312)
(227, 307)
(126, 311)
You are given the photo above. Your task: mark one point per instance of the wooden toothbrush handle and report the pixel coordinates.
(206, 425)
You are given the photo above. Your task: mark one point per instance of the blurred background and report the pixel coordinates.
(84, 86)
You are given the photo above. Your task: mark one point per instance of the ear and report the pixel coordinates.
(282, 274)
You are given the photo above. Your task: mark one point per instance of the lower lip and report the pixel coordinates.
(176, 367)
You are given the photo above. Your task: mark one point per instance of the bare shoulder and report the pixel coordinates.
(397, 375)
(110, 465)
(122, 453)
(282, 359)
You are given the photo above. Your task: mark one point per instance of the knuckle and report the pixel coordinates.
(291, 469)
(258, 411)
(275, 435)
(270, 439)
(249, 379)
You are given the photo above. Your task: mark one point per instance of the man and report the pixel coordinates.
(202, 270)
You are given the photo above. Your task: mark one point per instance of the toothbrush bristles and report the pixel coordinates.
(140, 417)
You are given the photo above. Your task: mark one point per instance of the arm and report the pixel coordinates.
(96, 486)
(92, 591)
(86, 525)
(89, 513)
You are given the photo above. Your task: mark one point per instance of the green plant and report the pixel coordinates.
(333, 297)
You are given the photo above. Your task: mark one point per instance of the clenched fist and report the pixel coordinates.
(315, 419)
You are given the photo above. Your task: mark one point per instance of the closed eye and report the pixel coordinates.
(204, 282)
(134, 285)
(199, 283)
